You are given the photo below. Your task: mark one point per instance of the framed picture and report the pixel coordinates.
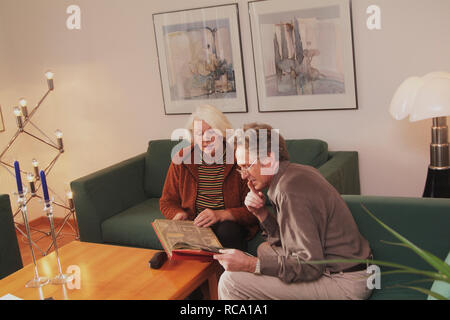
(303, 52)
(2, 123)
(200, 59)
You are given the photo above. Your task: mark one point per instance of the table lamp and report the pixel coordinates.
(424, 98)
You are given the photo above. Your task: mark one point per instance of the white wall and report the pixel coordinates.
(108, 100)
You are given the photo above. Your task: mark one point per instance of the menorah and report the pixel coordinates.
(23, 120)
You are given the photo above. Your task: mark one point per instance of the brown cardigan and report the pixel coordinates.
(180, 192)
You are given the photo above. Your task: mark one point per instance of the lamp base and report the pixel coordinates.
(438, 184)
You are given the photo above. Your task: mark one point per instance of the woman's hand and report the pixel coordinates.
(207, 218)
(181, 216)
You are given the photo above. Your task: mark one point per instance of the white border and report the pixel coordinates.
(307, 102)
(237, 104)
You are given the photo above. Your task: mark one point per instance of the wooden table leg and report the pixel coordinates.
(210, 287)
(213, 282)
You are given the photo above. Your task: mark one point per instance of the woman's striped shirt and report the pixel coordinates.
(210, 187)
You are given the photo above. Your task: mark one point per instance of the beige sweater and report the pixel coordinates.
(312, 222)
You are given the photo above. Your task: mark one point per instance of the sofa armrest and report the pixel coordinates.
(103, 194)
(342, 171)
(10, 259)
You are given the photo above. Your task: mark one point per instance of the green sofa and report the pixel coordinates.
(117, 205)
(10, 259)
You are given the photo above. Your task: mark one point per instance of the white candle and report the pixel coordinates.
(49, 75)
(23, 105)
(18, 114)
(59, 135)
(36, 168)
(70, 199)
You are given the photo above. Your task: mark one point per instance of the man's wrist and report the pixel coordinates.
(257, 267)
(253, 265)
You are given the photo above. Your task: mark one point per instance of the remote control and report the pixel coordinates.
(158, 260)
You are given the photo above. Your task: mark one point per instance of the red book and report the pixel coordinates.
(182, 240)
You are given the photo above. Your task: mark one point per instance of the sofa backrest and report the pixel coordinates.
(423, 221)
(157, 161)
(311, 152)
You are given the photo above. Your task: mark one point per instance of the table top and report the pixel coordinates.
(109, 272)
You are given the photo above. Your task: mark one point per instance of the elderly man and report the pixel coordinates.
(312, 223)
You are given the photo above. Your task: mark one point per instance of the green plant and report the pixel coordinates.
(442, 272)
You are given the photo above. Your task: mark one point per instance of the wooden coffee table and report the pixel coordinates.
(114, 272)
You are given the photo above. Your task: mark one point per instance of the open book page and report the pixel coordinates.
(176, 234)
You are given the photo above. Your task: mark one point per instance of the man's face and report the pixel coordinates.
(251, 169)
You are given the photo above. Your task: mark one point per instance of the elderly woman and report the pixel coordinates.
(211, 193)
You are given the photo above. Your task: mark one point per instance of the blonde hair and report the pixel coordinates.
(211, 115)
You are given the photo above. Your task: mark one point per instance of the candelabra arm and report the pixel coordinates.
(30, 115)
(10, 143)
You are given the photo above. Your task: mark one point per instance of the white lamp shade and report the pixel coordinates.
(437, 74)
(432, 100)
(404, 97)
(422, 98)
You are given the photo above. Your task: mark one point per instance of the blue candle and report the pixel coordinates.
(44, 186)
(18, 177)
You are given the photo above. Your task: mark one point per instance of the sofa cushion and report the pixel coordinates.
(133, 227)
(311, 152)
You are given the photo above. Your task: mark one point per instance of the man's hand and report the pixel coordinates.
(180, 216)
(236, 260)
(207, 218)
(255, 202)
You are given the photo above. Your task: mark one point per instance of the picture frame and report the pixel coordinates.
(200, 59)
(303, 55)
(2, 122)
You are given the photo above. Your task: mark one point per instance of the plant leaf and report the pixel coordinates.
(437, 276)
(425, 291)
(394, 243)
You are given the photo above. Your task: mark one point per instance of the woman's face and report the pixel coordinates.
(205, 137)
